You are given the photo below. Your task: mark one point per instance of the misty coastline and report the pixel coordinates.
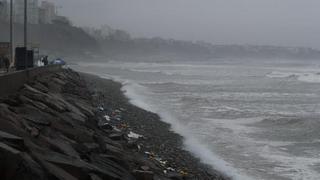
(67, 40)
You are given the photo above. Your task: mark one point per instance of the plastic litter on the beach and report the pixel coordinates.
(183, 173)
(116, 129)
(117, 117)
(101, 108)
(107, 117)
(134, 135)
(150, 153)
(162, 162)
(102, 123)
(122, 126)
(170, 169)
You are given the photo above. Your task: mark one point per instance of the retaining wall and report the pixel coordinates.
(10, 83)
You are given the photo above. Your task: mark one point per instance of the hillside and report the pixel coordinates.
(118, 44)
(61, 38)
(147, 48)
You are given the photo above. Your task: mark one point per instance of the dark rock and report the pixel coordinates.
(74, 133)
(36, 104)
(51, 100)
(107, 126)
(117, 136)
(174, 176)
(78, 168)
(77, 116)
(9, 121)
(143, 175)
(95, 177)
(83, 107)
(10, 160)
(115, 150)
(92, 146)
(61, 166)
(132, 144)
(31, 169)
(57, 172)
(39, 86)
(59, 81)
(62, 146)
(106, 163)
(16, 165)
(34, 115)
(145, 168)
(6, 137)
(35, 132)
(12, 101)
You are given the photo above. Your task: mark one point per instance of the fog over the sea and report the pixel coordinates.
(270, 22)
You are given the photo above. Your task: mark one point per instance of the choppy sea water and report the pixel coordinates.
(248, 119)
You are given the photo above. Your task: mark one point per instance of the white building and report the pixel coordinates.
(32, 10)
(47, 12)
(4, 10)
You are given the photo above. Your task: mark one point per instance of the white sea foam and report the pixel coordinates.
(134, 93)
(310, 77)
(229, 145)
(138, 94)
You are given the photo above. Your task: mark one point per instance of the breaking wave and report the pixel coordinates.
(138, 95)
(310, 77)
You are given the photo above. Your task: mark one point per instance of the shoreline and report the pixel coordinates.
(73, 126)
(158, 136)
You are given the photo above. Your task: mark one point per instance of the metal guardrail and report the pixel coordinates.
(13, 81)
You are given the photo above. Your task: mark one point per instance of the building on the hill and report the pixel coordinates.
(32, 10)
(4, 10)
(62, 20)
(47, 12)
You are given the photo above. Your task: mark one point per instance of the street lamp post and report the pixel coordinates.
(26, 32)
(11, 32)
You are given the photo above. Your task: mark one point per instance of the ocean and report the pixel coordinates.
(251, 119)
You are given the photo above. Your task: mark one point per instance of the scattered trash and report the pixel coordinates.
(116, 129)
(134, 135)
(151, 154)
(100, 108)
(58, 61)
(117, 117)
(102, 123)
(170, 169)
(183, 173)
(162, 162)
(107, 117)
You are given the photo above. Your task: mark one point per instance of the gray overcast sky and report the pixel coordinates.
(270, 22)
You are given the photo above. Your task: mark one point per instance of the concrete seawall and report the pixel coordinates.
(12, 82)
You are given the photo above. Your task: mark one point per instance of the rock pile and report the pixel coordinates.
(51, 129)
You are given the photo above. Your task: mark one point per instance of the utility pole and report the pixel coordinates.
(11, 32)
(26, 32)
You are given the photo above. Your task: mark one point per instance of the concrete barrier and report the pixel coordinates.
(10, 83)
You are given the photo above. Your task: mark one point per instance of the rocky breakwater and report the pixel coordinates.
(53, 128)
